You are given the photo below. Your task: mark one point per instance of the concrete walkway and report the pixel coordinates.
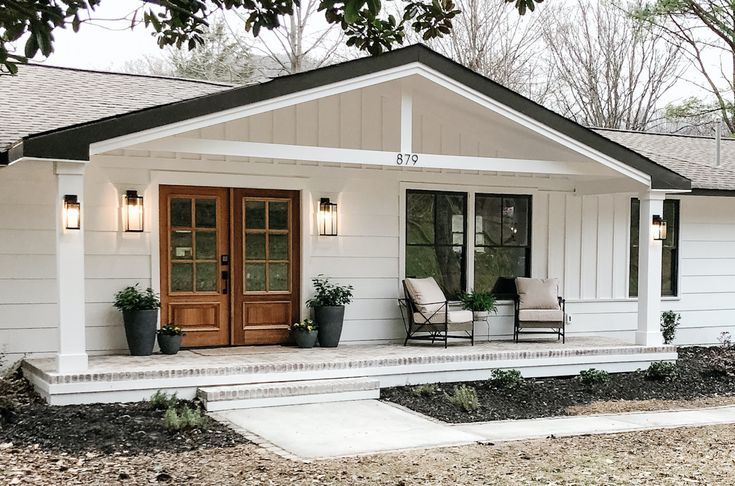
(327, 430)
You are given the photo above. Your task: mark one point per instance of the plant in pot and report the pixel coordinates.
(140, 315)
(329, 303)
(169, 339)
(480, 303)
(304, 333)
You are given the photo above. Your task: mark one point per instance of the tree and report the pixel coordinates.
(611, 68)
(706, 31)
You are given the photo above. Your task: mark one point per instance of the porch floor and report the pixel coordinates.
(123, 378)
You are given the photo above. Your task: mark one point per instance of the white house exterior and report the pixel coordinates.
(366, 134)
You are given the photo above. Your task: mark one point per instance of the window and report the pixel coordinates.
(669, 257)
(502, 242)
(436, 243)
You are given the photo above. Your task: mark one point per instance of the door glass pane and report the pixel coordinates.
(278, 276)
(182, 277)
(278, 246)
(255, 214)
(419, 218)
(255, 246)
(206, 245)
(206, 213)
(181, 212)
(181, 247)
(278, 215)
(254, 277)
(206, 276)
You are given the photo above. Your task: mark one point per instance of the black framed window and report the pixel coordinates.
(502, 242)
(436, 242)
(670, 248)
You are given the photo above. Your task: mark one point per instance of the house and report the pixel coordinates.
(434, 170)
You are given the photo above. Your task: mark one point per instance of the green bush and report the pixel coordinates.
(479, 302)
(328, 294)
(162, 400)
(593, 376)
(426, 390)
(670, 320)
(506, 378)
(133, 299)
(184, 419)
(464, 397)
(661, 371)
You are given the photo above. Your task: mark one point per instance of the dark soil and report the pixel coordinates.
(696, 378)
(128, 429)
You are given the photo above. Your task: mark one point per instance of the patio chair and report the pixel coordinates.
(539, 309)
(426, 314)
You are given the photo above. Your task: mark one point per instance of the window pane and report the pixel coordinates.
(255, 214)
(487, 220)
(255, 246)
(206, 277)
(181, 246)
(419, 218)
(633, 281)
(278, 276)
(515, 221)
(667, 272)
(494, 263)
(444, 263)
(671, 216)
(277, 246)
(181, 212)
(254, 277)
(182, 277)
(278, 215)
(668, 254)
(206, 213)
(206, 245)
(449, 226)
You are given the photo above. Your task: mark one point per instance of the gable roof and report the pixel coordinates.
(72, 142)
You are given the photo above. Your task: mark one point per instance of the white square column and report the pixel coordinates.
(649, 271)
(72, 355)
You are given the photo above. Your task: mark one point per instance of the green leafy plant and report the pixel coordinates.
(328, 294)
(162, 400)
(661, 371)
(307, 325)
(183, 419)
(171, 330)
(506, 378)
(133, 299)
(593, 376)
(464, 397)
(479, 302)
(670, 320)
(425, 390)
(725, 339)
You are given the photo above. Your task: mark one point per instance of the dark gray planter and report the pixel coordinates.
(169, 344)
(305, 339)
(329, 320)
(140, 331)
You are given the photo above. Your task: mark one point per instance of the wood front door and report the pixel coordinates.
(194, 244)
(266, 266)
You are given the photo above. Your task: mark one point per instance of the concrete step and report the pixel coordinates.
(231, 397)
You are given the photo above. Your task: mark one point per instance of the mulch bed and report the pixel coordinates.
(128, 429)
(548, 397)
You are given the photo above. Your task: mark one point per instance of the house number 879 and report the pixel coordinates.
(407, 159)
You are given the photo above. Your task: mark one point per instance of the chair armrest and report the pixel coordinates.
(562, 303)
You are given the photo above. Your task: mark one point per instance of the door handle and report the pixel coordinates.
(225, 280)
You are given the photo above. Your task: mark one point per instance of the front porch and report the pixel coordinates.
(127, 378)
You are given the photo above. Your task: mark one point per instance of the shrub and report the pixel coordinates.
(479, 302)
(593, 376)
(184, 419)
(162, 400)
(464, 398)
(661, 371)
(307, 325)
(133, 299)
(426, 390)
(670, 320)
(725, 340)
(328, 294)
(506, 378)
(171, 330)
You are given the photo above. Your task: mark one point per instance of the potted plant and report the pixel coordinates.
(329, 303)
(304, 333)
(480, 303)
(140, 315)
(169, 339)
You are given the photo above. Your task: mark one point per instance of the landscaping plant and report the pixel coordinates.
(169, 338)
(725, 340)
(464, 397)
(140, 315)
(593, 376)
(162, 400)
(132, 299)
(329, 303)
(304, 333)
(328, 294)
(670, 320)
(661, 371)
(425, 390)
(479, 302)
(506, 378)
(185, 419)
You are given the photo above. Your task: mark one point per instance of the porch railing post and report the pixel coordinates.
(649, 271)
(72, 352)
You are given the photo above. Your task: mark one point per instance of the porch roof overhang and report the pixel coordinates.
(74, 143)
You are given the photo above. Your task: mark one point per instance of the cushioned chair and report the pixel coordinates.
(426, 314)
(538, 308)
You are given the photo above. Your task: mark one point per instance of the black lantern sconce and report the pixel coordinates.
(72, 212)
(327, 218)
(133, 212)
(658, 226)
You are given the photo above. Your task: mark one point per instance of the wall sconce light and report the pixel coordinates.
(327, 219)
(72, 212)
(659, 228)
(133, 212)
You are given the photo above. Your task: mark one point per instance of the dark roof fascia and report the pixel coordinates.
(73, 143)
(711, 193)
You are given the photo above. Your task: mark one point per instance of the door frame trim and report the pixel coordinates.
(237, 181)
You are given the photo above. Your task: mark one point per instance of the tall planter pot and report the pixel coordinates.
(140, 331)
(329, 320)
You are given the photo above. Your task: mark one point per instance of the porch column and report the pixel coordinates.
(72, 355)
(649, 271)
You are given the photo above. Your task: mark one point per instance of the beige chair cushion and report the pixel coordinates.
(426, 294)
(536, 293)
(540, 315)
(454, 317)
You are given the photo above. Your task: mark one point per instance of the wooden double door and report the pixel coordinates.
(230, 267)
